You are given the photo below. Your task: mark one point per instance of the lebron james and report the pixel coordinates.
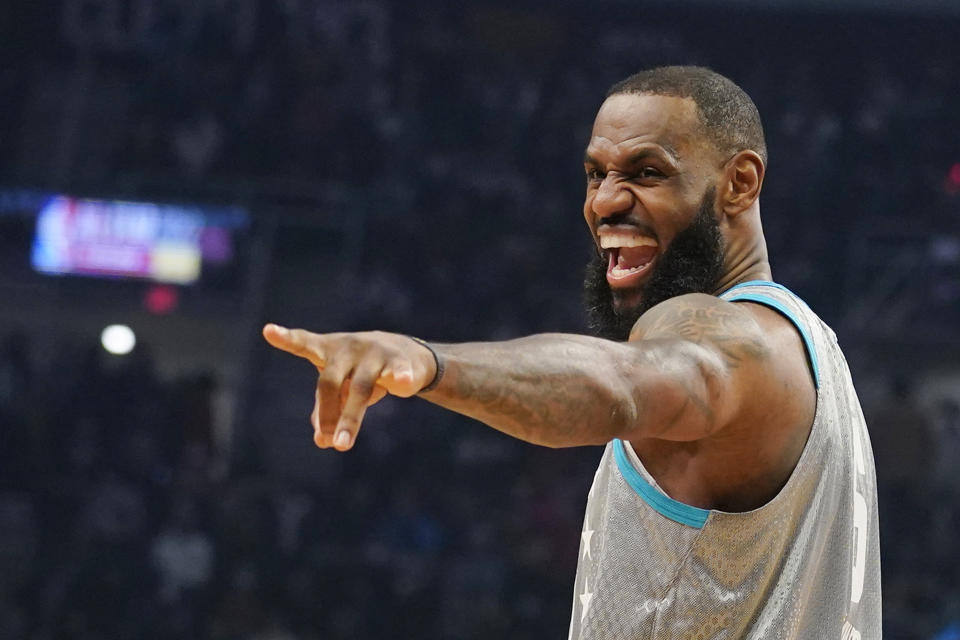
(736, 496)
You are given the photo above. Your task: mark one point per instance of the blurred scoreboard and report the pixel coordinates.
(114, 238)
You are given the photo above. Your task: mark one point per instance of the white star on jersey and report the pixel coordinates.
(585, 536)
(585, 598)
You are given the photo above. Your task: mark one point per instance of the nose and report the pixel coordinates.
(611, 197)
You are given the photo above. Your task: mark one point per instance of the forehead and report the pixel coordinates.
(628, 120)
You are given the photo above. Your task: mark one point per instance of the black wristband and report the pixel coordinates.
(436, 358)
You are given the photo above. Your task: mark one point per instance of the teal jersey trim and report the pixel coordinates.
(665, 505)
(783, 309)
(760, 283)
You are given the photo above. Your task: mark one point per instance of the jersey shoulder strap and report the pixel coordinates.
(785, 302)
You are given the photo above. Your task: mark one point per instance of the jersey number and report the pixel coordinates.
(859, 526)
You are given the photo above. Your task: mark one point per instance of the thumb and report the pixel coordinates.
(399, 379)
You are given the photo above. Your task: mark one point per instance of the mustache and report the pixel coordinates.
(625, 219)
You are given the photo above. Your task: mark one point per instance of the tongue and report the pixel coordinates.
(631, 257)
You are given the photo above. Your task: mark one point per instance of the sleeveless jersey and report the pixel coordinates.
(804, 566)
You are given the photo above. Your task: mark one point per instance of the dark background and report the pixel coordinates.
(415, 167)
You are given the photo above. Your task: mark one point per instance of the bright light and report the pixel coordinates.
(118, 339)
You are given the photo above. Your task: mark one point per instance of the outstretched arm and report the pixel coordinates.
(679, 377)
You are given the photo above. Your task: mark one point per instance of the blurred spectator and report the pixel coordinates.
(903, 448)
(946, 428)
(182, 555)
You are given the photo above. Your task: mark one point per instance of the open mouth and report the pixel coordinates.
(630, 256)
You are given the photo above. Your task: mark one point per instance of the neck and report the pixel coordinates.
(743, 273)
(746, 254)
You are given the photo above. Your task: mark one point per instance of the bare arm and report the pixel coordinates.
(681, 376)
(549, 389)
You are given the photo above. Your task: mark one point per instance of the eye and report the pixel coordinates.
(594, 175)
(649, 172)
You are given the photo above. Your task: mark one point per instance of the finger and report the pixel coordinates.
(296, 341)
(330, 382)
(322, 440)
(359, 395)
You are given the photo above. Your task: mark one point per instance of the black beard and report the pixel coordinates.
(691, 264)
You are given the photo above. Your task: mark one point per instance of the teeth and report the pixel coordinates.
(616, 240)
(617, 272)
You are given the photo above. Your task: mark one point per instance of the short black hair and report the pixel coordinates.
(728, 115)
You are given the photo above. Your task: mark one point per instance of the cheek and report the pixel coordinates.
(670, 214)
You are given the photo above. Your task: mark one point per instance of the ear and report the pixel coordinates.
(743, 174)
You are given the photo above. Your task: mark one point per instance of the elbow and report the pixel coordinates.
(628, 406)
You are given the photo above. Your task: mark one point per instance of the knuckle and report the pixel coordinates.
(327, 384)
(362, 385)
(379, 340)
(354, 343)
(302, 338)
(349, 349)
(399, 362)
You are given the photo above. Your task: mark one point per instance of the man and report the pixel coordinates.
(736, 497)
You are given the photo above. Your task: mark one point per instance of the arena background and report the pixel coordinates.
(415, 166)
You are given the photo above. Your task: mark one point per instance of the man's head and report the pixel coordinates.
(674, 167)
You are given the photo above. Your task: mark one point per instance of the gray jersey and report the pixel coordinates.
(806, 565)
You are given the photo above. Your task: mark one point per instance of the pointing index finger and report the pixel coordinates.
(296, 341)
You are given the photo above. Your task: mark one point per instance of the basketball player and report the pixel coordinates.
(736, 496)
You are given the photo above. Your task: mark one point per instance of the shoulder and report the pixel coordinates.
(756, 351)
(700, 318)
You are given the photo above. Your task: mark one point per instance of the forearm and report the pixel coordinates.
(557, 389)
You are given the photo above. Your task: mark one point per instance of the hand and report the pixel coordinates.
(356, 370)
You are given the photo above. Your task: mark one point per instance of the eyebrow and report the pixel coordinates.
(638, 156)
(646, 153)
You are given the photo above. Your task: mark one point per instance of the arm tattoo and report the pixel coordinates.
(558, 390)
(727, 331)
(566, 390)
(549, 386)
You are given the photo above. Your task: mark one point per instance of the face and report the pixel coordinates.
(650, 207)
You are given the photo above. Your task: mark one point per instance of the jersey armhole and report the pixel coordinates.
(665, 505)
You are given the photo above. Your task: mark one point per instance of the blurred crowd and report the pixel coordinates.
(461, 122)
(916, 447)
(116, 521)
(457, 133)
